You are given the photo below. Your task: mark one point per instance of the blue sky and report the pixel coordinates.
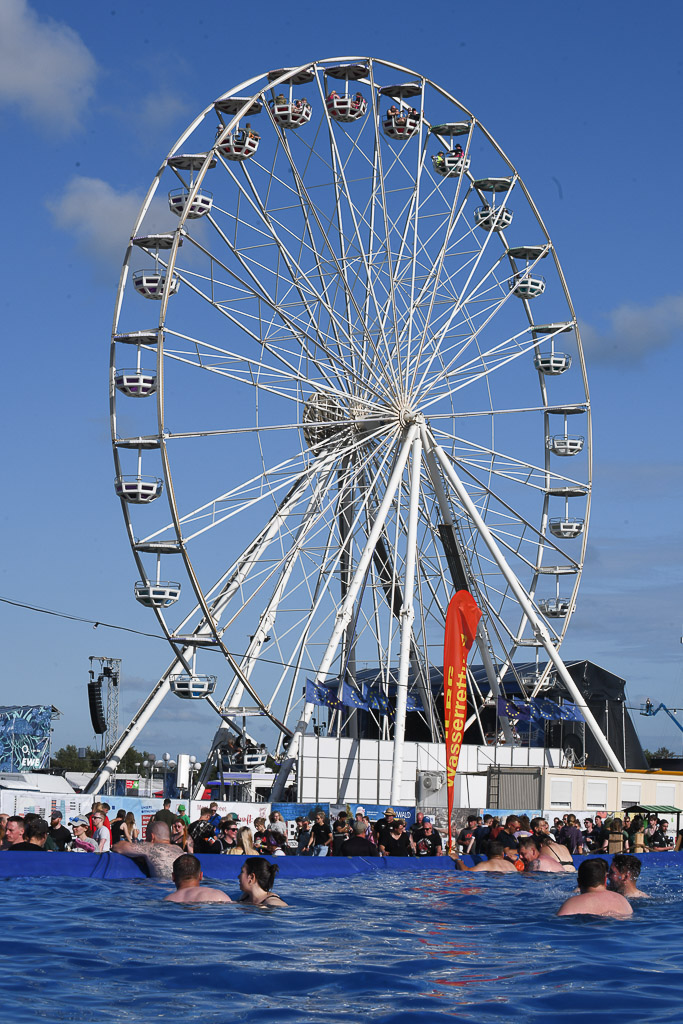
(585, 101)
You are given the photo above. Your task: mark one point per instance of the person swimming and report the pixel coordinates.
(623, 874)
(256, 881)
(594, 897)
(187, 875)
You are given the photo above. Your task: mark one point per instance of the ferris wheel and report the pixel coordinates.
(346, 380)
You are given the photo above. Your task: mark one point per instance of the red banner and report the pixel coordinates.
(462, 620)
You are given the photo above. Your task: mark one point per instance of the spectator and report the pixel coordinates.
(428, 842)
(82, 841)
(59, 834)
(341, 831)
(571, 836)
(416, 826)
(321, 836)
(395, 841)
(35, 836)
(482, 834)
(3, 827)
(214, 817)
(277, 823)
(180, 836)
(466, 835)
(129, 830)
(259, 833)
(203, 833)
(507, 836)
(661, 840)
(182, 814)
(244, 843)
(101, 833)
(117, 825)
(384, 823)
(303, 841)
(165, 814)
(228, 835)
(358, 845)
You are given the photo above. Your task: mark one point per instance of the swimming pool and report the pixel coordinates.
(391, 946)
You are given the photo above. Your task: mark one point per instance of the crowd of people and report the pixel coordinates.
(518, 844)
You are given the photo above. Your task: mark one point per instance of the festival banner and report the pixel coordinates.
(25, 738)
(462, 620)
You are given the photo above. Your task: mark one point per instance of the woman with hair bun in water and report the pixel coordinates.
(256, 880)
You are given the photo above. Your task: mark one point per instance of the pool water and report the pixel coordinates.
(391, 947)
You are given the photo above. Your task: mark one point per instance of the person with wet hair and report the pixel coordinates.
(187, 875)
(594, 897)
(623, 874)
(256, 882)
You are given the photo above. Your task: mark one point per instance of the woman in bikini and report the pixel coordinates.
(256, 881)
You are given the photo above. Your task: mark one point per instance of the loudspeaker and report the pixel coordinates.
(97, 716)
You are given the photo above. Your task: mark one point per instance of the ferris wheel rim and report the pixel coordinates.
(165, 437)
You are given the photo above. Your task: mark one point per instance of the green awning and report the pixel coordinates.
(652, 809)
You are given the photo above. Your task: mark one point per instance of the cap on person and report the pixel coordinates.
(360, 810)
(56, 814)
(427, 820)
(181, 807)
(79, 820)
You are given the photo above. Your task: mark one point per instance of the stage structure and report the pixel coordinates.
(346, 381)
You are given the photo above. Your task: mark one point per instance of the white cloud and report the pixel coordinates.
(99, 216)
(45, 67)
(633, 331)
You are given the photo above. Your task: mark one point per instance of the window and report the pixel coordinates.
(596, 796)
(560, 792)
(630, 794)
(666, 794)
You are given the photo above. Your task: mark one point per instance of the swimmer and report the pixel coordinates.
(623, 874)
(187, 875)
(158, 853)
(496, 861)
(536, 859)
(560, 853)
(594, 897)
(256, 879)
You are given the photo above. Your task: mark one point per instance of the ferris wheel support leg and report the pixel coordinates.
(346, 610)
(538, 627)
(407, 617)
(481, 638)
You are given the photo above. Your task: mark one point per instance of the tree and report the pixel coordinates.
(662, 752)
(66, 759)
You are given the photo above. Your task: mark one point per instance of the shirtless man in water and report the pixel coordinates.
(623, 874)
(157, 852)
(594, 897)
(536, 859)
(187, 875)
(495, 862)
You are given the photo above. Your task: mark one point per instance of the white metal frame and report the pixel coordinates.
(336, 270)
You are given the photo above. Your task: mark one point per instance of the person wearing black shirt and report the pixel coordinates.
(384, 824)
(506, 837)
(321, 837)
(466, 835)
(358, 845)
(428, 841)
(482, 833)
(396, 841)
(57, 832)
(203, 834)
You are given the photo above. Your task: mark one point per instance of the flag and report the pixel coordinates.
(318, 693)
(517, 709)
(462, 620)
(353, 699)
